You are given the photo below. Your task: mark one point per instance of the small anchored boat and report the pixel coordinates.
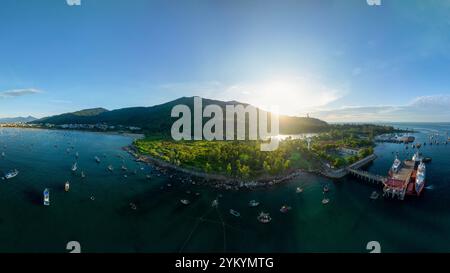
(374, 195)
(110, 168)
(326, 189)
(215, 203)
(83, 175)
(253, 203)
(11, 174)
(67, 186)
(97, 159)
(234, 213)
(325, 201)
(299, 190)
(264, 218)
(185, 202)
(285, 209)
(75, 167)
(46, 197)
(427, 159)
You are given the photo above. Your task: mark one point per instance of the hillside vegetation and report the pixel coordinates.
(157, 119)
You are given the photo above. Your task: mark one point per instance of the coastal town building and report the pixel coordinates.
(349, 151)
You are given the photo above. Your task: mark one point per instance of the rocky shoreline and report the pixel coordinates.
(214, 180)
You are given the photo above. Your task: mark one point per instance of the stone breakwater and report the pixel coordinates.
(214, 180)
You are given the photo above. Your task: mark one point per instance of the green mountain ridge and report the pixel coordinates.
(157, 119)
(17, 119)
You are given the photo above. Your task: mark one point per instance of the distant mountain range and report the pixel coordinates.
(18, 119)
(157, 119)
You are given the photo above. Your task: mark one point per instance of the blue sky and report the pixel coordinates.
(337, 60)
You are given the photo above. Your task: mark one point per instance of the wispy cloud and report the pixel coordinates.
(440, 101)
(425, 108)
(19, 92)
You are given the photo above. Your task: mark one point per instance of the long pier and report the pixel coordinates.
(366, 160)
(364, 175)
(354, 169)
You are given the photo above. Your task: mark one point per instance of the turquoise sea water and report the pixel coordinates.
(162, 224)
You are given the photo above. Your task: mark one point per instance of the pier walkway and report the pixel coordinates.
(364, 175)
(353, 169)
(366, 160)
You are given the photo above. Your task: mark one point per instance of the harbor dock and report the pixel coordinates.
(396, 185)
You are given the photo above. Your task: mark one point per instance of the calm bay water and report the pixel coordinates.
(162, 224)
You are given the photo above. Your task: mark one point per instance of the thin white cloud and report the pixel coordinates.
(19, 92)
(427, 108)
(432, 101)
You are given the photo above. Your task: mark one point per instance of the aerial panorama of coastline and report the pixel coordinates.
(99, 194)
(251, 128)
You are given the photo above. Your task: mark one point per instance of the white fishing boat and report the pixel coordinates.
(234, 213)
(285, 209)
(215, 203)
(299, 190)
(396, 165)
(110, 168)
(185, 202)
(46, 197)
(75, 167)
(264, 218)
(11, 174)
(417, 157)
(253, 203)
(67, 186)
(325, 201)
(374, 195)
(124, 168)
(97, 159)
(420, 177)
